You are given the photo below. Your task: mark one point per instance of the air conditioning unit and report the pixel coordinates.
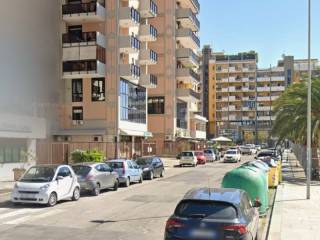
(168, 138)
(77, 122)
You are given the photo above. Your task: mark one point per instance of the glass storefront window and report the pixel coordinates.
(12, 153)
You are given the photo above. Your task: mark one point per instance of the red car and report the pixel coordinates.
(200, 157)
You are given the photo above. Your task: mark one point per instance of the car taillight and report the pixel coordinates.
(89, 177)
(173, 223)
(123, 168)
(241, 229)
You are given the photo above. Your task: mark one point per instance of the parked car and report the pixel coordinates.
(127, 170)
(258, 147)
(214, 214)
(267, 153)
(188, 158)
(151, 167)
(46, 184)
(201, 158)
(95, 177)
(217, 154)
(210, 155)
(244, 150)
(232, 155)
(252, 148)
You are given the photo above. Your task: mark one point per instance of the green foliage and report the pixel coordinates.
(79, 156)
(291, 113)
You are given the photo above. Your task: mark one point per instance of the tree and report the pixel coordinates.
(290, 110)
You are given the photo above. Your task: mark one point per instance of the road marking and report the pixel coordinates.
(33, 217)
(19, 212)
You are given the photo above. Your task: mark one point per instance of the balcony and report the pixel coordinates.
(277, 88)
(188, 95)
(187, 38)
(129, 17)
(222, 70)
(187, 57)
(187, 19)
(183, 133)
(193, 107)
(148, 57)
(194, 5)
(263, 89)
(129, 44)
(84, 69)
(263, 79)
(187, 75)
(278, 79)
(245, 79)
(265, 118)
(148, 81)
(77, 13)
(130, 72)
(148, 9)
(85, 39)
(266, 98)
(264, 108)
(148, 33)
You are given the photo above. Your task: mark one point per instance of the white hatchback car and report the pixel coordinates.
(46, 184)
(232, 155)
(188, 158)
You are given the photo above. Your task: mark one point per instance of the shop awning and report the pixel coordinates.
(127, 132)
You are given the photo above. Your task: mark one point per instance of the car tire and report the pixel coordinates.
(127, 183)
(181, 165)
(151, 175)
(141, 179)
(76, 194)
(116, 185)
(96, 190)
(53, 199)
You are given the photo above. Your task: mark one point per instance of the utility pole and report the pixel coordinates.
(309, 150)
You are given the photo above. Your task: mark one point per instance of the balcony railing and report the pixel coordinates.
(153, 7)
(153, 56)
(84, 38)
(80, 66)
(135, 43)
(135, 15)
(77, 8)
(135, 70)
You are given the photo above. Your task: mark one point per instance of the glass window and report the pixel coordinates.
(81, 170)
(64, 172)
(77, 113)
(98, 89)
(77, 90)
(132, 102)
(156, 105)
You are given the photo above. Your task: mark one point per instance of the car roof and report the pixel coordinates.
(229, 195)
(119, 160)
(51, 165)
(91, 164)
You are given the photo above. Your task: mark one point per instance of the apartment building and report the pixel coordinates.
(174, 105)
(241, 95)
(301, 68)
(29, 92)
(107, 58)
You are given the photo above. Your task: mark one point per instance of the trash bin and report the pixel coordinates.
(262, 166)
(250, 179)
(273, 177)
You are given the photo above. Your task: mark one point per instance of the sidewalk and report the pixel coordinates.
(293, 216)
(6, 187)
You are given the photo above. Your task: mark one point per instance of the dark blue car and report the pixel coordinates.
(214, 214)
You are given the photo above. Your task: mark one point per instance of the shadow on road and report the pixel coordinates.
(127, 220)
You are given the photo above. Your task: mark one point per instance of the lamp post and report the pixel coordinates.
(309, 150)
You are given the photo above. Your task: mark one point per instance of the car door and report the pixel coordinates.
(160, 166)
(131, 171)
(64, 185)
(155, 165)
(100, 175)
(108, 176)
(137, 170)
(253, 217)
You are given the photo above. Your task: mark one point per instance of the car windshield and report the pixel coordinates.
(39, 174)
(206, 209)
(232, 152)
(116, 165)
(199, 153)
(144, 161)
(81, 170)
(187, 154)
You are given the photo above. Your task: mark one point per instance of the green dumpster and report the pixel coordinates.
(250, 179)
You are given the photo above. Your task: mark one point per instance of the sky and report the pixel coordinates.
(270, 27)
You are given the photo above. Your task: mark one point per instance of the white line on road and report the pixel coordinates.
(33, 217)
(19, 212)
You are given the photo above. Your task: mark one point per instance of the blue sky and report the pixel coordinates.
(271, 27)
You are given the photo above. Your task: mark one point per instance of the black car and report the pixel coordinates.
(267, 153)
(151, 166)
(214, 214)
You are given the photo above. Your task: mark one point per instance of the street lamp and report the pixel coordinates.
(309, 150)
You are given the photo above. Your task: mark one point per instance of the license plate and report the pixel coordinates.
(27, 195)
(203, 234)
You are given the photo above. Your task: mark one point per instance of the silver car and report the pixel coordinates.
(128, 171)
(94, 177)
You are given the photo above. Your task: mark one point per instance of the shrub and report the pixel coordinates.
(79, 156)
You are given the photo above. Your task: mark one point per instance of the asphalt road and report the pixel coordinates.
(136, 213)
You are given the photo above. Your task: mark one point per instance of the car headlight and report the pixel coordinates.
(44, 187)
(146, 169)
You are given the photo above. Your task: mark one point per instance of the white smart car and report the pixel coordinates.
(46, 184)
(188, 158)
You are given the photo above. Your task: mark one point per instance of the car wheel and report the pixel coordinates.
(76, 194)
(52, 199)
(141, 179)
(257, 237)
(96, 190)
(151, 175)
(116, 185)
(181, 165)
(161, 174)
(127, 183)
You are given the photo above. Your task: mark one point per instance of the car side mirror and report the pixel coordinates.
(59, 178)
(257, 204)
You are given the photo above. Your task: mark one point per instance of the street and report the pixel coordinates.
(138, 212)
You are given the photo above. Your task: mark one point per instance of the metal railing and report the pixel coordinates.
(76, 8)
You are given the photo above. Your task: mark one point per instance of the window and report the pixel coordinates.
(64, 172)
(98, 89)
(156, 105)
(132, 102)
(77, 90)
(12, 153)
(77, 113)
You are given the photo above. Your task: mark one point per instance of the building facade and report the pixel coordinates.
(241, 95)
